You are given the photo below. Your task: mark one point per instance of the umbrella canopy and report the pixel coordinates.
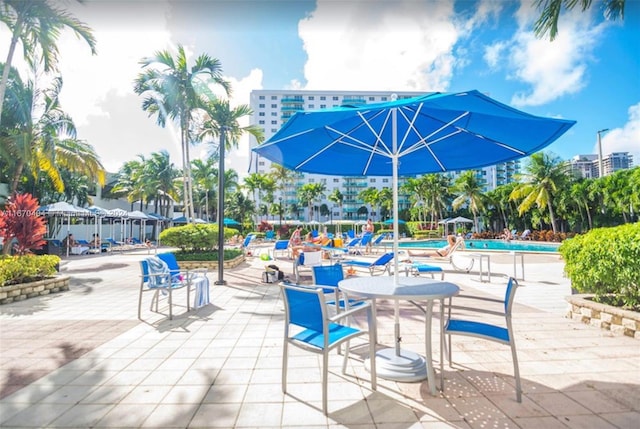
(138, 215)
(63, 208)
(459, 219)
(427, 134)
(391, 221)
(228, 221)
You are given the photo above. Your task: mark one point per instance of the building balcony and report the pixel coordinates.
(292, 99)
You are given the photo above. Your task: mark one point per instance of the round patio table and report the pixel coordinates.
(394, 363)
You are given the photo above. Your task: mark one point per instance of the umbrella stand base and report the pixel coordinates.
(406, 367)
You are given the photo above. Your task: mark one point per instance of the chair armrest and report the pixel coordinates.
(350, 312)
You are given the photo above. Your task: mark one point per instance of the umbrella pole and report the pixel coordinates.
(394, 181)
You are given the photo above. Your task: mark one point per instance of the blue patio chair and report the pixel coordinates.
(382, 264)
(155, 277)
(375, 243)
(502, 334)
(328, 276)
(308, 326)
(281, 246)
(270, 235)
(247, 244)
(196, 278)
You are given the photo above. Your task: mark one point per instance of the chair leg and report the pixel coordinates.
(140, 304)
(516, 371)
(285, 358)
(325, 379)
(170, 303)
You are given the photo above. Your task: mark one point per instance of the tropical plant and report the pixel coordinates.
(174, 91)
(337, 197)
(20, 221)
(37, 24)
(41, 137)
(542, 178)
(470, 193)
(238, 206)
(194, 237)
(27, 268)
(309, 193)
(604, 261)
(550, 13)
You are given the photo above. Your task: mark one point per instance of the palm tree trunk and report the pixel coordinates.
(16, 177)
(552, 217)
(7, 65)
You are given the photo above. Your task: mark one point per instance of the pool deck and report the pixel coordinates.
(82, 359)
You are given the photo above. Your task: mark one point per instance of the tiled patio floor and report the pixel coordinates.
(82, 359)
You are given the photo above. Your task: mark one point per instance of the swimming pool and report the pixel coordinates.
(499, 245)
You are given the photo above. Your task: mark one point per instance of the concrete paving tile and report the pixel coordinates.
(557, 403)
(37, 415)
(173, 416)
(146, 395)
(125, 415)
(585, 421)
(81, 415)
(628, 419)
(220, 415)
(264, 414)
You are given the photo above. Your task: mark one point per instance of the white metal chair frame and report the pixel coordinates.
(320, 336)
(500, 334)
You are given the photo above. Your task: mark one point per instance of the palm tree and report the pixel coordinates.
(38, 24)
(240, 207)
(470, 193)
(370, 196)
(309, 193)
(174, 91)
(163, 182)
(205, 176)
(40, 137)
(543, 176)
(337, 197)
(221, 122)
(129, 182)
(548, 20)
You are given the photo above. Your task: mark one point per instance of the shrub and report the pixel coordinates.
(194, 237)
(20, 221)
(206, 255)
(27, 268)
(606, 262)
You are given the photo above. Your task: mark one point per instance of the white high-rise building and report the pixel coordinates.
(272, 108)
(587, 166)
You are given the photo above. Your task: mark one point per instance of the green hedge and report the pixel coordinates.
(606, 262)
(207, 255)
(194, 237)
(26, 268)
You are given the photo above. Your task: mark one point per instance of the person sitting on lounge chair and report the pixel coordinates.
(443, 251)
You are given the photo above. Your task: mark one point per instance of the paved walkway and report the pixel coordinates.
(82, 359)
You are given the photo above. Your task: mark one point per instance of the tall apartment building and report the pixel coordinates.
(588, 166)
(272, 108)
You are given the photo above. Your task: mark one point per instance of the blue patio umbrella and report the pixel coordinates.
(392, 220)
(227, 221)
(433, 133)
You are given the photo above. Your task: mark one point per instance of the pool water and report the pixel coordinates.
(501, 245)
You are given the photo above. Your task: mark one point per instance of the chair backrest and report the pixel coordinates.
(366, 238)
(509, 294)
(304, 306)
(378, 239)
(172, 263)
(353, 242)
(311, 258)
(384, 259)
(281, 245)
(269, 235)
(247, 240)
(144, 268)
(351, 233)
(56, 243)
(327, 275)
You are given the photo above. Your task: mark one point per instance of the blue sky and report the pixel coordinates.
(590, 73)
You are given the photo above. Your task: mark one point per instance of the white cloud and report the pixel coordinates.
(401, 45)
(624, 139)
(493, 54)
(552, 69)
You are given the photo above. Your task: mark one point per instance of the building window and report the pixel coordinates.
(383, 98)
(274, 106)
(274, 122)
(311, 97)
(261, 122)
(274, 113)
(322, 98)
(261, 163)
(312, 180)
(372, 98)
(274, 97)
(335, 98)
(323, 106)
(261, 97)
(274, 130)
(336, 180)
(260, 113)
(261, 105)
(312, 106)
(372, 180)
(385, 180)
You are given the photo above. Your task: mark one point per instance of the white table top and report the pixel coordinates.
(408, 288)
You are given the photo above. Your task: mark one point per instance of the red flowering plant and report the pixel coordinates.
(20, 221)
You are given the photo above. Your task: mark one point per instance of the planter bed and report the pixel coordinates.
(22, 291)
(614, 319)
(211, 265)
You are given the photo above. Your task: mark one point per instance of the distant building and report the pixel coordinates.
(272, 108)
(587, 166)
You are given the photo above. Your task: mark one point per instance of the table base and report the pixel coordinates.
(407, 367)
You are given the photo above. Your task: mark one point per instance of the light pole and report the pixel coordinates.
(221, 280)
(280, 210)
(600, 161)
